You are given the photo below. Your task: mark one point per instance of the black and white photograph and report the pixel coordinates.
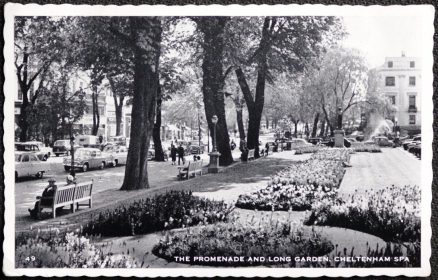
(217, 140)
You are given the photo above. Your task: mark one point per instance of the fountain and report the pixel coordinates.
(379, 126)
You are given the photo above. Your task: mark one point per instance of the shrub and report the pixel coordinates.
(174, 209)
(235, 240)
(392, 213)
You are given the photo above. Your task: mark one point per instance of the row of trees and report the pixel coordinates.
(146, 60)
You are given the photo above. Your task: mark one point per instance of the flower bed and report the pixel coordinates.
(299, 185)
(174, 209)
(393, 213)
(246, 243)
(67, 251)
(306, 149)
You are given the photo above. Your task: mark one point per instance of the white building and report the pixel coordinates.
(400, 81)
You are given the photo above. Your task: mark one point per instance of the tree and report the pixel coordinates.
(213, 81)
(284, 43)
(340, 82)
(39, 41)
(142, 35)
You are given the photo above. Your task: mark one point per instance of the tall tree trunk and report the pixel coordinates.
(307, 130)
(315, 125)
(322, 129)
(240, 123)
(255, 105)
(145, 41)
(96, 116)
(118, 104)
(296, 129)
(213, 82)
(159, 153)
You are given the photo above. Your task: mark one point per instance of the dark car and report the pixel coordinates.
(195, 149)
(62, 147)
(315, 141)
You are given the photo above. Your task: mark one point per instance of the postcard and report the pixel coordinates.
(284, 140)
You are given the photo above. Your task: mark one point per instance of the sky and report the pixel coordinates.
(378, 37)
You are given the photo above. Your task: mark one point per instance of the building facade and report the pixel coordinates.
(400, 81)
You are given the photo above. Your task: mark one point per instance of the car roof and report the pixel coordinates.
(88, 149)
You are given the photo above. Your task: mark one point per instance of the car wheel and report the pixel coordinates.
(67, 168)
(45, 158)
(57, 155)
(85, 167)
(115, 163)
(102, 165)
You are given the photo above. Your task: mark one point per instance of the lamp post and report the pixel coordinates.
(213, 167)
(214, 121)
(339, 132)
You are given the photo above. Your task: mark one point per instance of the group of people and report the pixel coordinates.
(177, 151)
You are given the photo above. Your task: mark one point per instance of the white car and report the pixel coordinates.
(28, 164)
(118, 153)
(42, 152)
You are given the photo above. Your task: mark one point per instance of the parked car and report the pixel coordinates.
(407, 142)
(35, 147)
(28, 164)
(415, 148)
(352, 140)
(195, 149)
(295, 143)
(315, 140)
(88, 158)
(118, 153)
(62, 147)
(381, 141)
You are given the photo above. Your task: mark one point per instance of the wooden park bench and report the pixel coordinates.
(191, 169)
(251, 154)
(68, 195)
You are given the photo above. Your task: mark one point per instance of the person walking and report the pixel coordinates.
(181, 154)
(173, 154)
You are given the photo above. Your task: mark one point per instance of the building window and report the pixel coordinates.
(412, 100)
(390, 81)
(392, 99)
(390, 64)
(412, 119)
(412, 64)
(412, 81)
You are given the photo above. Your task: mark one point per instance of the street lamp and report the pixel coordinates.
(214, 120)
(213, 167)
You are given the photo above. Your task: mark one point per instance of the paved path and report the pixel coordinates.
(379, 170)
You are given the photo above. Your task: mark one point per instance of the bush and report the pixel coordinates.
(67, 251)
(392, 213)
(174, 209)
(235, 240)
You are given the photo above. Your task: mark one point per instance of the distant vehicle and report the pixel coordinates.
(407, 142)
(381, 141)
(195, 149)
(35, 147)
(315, 141)
(88, 141)
(88, 158)
(28, 164)
(295, 143)
(118, 153)
(119, 140)
(352, 140)
(415, 148)
(61, 147)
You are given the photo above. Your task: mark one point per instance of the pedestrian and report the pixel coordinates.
(180, 152)
(233, 145)
(173, 153)
(266, 149)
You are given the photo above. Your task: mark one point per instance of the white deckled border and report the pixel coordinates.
(10, 87)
